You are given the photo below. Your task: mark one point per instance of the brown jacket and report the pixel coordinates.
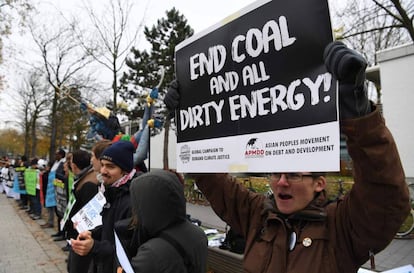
(331, 237)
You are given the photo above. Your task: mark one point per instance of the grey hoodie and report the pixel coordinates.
(158, 203)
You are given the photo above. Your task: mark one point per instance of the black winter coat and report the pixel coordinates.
(118, 207)
(159, 203)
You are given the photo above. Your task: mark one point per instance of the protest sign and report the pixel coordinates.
(89, 216)
(71, 201)
(61, 196)
(30, 180)
(50, 199)
(255, 94)
(20, 186)
(122, 256)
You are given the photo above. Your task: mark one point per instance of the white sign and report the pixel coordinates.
(89, 217)
(256, 95)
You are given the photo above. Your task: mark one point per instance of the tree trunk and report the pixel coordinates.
(166, 141)
(27, 139)
(52, 149)
(115, 88)
(33, 137)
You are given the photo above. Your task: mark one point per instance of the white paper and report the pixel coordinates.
(403, 269)
(122, 257)
(89, 217)
(363, 270)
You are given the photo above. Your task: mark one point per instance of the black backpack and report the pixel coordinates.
(234, 242)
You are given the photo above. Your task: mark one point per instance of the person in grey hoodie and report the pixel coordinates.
(167, 241)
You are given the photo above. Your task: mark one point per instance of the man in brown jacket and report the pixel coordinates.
(297, 229)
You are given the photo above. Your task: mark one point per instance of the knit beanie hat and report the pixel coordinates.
(121, 154)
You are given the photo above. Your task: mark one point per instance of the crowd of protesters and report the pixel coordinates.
(21, 179)
(66, 186)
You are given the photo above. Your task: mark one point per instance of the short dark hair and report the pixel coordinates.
(81, 158)
(317, 174)
(34, 161)
(61, 152)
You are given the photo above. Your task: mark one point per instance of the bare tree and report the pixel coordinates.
(113, 36)
(34, 100)
(401, 11)
(369, 26)
(65, 65)
(11, 11)
(373, 25)
(24, 115)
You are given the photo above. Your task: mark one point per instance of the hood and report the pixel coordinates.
(157, 201)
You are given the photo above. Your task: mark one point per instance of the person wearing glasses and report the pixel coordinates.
(297, 229)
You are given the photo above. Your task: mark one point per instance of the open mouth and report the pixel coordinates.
(284, 196)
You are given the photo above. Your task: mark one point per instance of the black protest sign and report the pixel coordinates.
(262, 71)
(19, 172)
(61, 196)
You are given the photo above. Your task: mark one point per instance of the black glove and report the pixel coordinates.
(348, 67)
(172, 98)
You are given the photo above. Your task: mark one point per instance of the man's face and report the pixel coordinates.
(110, 172)
(294, 191)
(96, 163)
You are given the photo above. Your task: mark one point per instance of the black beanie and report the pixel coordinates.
(121, 154)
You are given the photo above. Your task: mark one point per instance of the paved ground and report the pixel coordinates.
(27, 248)
(24, 246)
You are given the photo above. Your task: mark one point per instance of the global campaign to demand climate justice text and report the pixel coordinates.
(260, 94)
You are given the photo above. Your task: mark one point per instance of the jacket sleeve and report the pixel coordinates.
(103, 250)
(88, 191)
(142, 138)
(60, 172)
(231, 201)
(378, 203)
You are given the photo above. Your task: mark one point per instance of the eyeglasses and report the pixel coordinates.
(290, 177)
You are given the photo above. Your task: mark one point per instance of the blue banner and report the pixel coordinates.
(50, 200)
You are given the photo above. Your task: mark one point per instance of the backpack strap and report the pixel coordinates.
(179, 248)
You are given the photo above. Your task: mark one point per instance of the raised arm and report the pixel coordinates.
(372, 212)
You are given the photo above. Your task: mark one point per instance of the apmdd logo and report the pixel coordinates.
(185, 154)
(254, 148)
